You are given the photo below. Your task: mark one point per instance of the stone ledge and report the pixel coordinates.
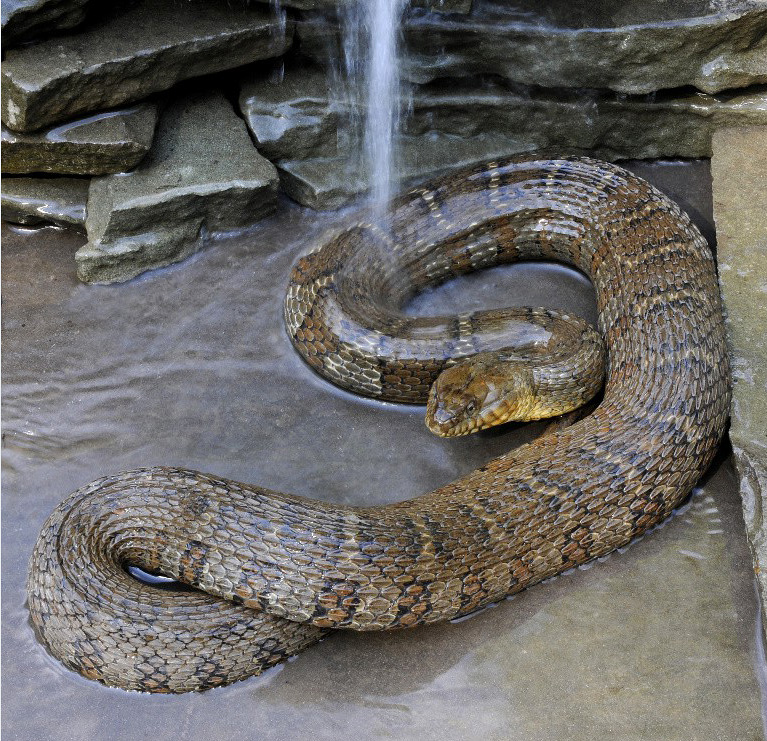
(45, 200)
(202, 176)
(135, 50)
(114, 141)
(631, 48)
(303, 125)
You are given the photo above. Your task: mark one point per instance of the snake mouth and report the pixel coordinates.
(459, 419)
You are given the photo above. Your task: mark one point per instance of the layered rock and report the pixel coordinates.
(631, 48)
(45, 200)
(438, 6)
(738, 171)
(25, 19)
(202, 176)
(133, 50)
(113, 141)
(303, 124)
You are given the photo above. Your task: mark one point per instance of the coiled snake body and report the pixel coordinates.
(307, 566)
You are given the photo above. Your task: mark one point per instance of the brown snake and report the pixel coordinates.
(547, 506)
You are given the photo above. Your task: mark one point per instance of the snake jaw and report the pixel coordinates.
(478, 393)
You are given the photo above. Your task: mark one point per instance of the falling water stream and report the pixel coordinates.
(369, 86)
(383, 99)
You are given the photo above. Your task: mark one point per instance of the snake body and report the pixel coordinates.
(306, 566)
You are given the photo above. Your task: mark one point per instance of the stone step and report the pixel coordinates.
(133, 50)
(632, 47)
(113, 141)
(45, 200)
(202, 176)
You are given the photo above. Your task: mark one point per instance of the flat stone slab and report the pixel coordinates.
(202, 176)
(331, 182)
(26, 19)
(303, 125)
(635, 47)
(302, 117)
(45, 200)
(113, 141)
(295, 118)
(135, 50)
(437, 6)
(739, 174)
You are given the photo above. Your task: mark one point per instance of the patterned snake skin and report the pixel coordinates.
(547, 506)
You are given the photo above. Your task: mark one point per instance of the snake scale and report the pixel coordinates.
(307, 566)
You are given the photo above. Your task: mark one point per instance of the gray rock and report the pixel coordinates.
(331, 182)
(613, 126)
(296, 118)
(108, 142)
(45, 200)
(202, 176)
(321, 183)
(301, 117)
(438, 6)
(463, 121)
(24, 19)
(738, 171)
(135, 50)
(635, 47)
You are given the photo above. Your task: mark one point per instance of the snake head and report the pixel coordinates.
(477, 393)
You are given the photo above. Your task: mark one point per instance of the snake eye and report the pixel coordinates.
(471, 407)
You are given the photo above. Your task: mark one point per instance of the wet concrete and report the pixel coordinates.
(190, 366)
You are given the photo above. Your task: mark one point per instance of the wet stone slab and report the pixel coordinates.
(191, 366)
(635, 47)
(436, 6)
(332, 182)
(135, 49)
(113, 141)
(25, 19)
(203, 176)
(45, 200)
(739, 169)
(303, 123)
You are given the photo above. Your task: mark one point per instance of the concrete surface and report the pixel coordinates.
(191, 366)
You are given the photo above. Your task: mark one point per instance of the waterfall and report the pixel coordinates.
(383, 96)
(371, 35)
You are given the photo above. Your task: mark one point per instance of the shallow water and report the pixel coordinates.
(190, 366)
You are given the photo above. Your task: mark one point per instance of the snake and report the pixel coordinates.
(266, 574)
